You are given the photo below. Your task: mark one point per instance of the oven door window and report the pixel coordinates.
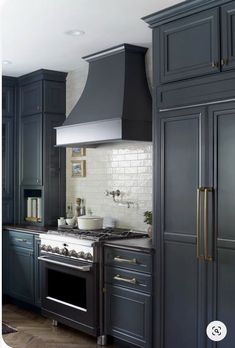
(67, 289)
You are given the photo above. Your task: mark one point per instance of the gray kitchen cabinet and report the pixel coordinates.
(193, 210)
(128, 296)
(194, 40)
(221, 239)
(31, 98)
(190, 46)
(182, 172)
(42, 165)
(37, 271)
(8, 147)
(8, 96)
(31, 150)
(228, 36)
(21, 266)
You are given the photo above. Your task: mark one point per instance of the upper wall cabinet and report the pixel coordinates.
(31, 98)
(7, 100)
(228, 36)
(190, 46)
(42, 96)
(196, 45)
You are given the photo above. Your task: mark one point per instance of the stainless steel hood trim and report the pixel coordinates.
(91, 132)
(104, 53)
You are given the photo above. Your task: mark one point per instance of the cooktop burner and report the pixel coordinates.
(98, 235)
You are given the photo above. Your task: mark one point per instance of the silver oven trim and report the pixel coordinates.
(86, 268)
(66, 303)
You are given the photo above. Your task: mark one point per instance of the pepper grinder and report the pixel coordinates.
(78, 207)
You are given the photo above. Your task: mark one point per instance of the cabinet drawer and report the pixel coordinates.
(132, 260)
(24, 240)
(129, 279)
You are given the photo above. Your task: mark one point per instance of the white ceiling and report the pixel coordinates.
(33, 30)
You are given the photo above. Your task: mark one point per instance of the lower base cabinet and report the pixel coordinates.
(20, 266)
(127, 315)
(128, 296)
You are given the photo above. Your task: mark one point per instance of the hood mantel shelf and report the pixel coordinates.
(115, 104)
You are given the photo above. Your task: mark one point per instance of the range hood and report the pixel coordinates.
(115, 104)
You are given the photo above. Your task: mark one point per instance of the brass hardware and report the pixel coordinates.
(126, 280)
(119, 259)
(224, 62)
(21, 240)
(214, 64)
(206, 190)
(199, 190)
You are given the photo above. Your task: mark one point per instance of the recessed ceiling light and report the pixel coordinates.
(6, 62)
(75, 32)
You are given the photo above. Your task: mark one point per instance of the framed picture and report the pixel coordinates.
(78, 168)
(78, 151)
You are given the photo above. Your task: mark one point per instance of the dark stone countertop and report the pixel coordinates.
(139, 244)
(29, 228)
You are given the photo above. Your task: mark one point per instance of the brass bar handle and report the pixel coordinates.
(224, 61)
(21, 240)
(206, 220)
(199, 190)
(119, 259)
(214, 64)
(126, 280)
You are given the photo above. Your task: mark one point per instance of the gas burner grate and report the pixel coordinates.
(98, 235)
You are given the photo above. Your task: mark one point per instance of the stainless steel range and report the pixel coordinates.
(71, 275)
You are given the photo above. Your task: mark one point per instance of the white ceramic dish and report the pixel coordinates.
(89, 222)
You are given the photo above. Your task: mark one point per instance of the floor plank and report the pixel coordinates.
(35, 331)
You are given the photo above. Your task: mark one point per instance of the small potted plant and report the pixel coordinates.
(148, 219)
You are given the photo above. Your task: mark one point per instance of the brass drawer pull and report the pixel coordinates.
(131, 262)
(206, 218)
(199, 190)
(21, 240)
(214, 64)
(126, 280)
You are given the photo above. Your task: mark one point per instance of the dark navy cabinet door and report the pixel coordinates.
(7, 169)
(37, 282)
(31, 98)
(190, 46)
(31, 150)
(8, 96)
(53, 97)
(127, 315)
(7, 156)
(20, 274)
(222, 123)
(182, 172)
(228, 36)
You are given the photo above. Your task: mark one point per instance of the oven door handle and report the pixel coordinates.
(80, 268)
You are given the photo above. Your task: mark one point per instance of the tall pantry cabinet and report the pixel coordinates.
(194, 163)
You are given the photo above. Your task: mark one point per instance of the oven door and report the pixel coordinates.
(69, 291)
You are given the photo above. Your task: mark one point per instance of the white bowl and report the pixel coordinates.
(89, 222)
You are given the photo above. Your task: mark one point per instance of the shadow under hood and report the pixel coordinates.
(115, 104)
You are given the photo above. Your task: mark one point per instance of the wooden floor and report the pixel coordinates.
(35, 331)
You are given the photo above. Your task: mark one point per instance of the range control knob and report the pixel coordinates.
(49, 248)
(88, 256)
(65, 252)
(81, 255)
(73, 253)
(56, 250)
